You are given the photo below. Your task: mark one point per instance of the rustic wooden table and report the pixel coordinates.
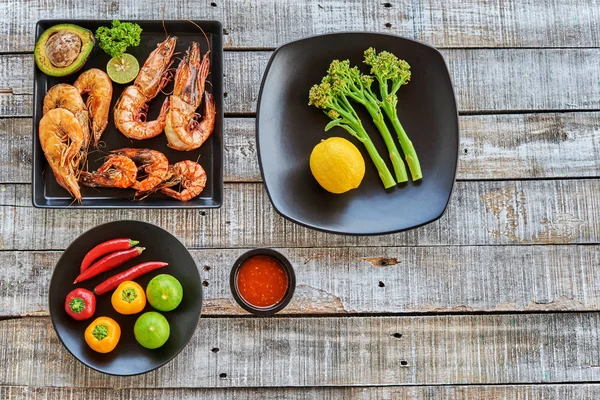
(496, 300)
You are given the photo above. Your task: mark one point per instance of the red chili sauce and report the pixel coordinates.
(262, 281)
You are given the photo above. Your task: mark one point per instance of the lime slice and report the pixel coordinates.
(123, 69)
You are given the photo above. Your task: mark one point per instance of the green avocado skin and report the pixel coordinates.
(87, 44)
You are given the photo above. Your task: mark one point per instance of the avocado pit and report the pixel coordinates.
(63, 48)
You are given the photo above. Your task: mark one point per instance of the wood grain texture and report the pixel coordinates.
(503, 246)
(16, 150)
(492, 147)
(270, 23)
(266, 352)
(529, 146)
(371, 280)
(480, 213)
(484, 79)
(16, 84)
(475, 392)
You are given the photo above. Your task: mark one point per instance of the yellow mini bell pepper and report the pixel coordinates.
(103, 334)
(129, 298)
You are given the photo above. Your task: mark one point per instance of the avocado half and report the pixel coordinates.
(63, 49)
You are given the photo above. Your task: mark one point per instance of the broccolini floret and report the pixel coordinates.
(353, 84)
(331, 98)
(391, 74)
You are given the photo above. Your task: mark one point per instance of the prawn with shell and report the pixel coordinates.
(71, 126)
(64, 130)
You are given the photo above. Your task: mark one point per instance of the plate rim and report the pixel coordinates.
(258, 147)
(217, 199)
(54, 324)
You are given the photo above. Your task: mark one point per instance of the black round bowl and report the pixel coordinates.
(129, 357)
(289, 270)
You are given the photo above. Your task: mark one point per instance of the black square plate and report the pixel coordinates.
(47, 193)
(287, 129)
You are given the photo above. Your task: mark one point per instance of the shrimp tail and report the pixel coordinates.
(70, 183)
(164, 110)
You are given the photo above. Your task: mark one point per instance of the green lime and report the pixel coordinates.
(123, 69)
(164, 292)
(151, 330)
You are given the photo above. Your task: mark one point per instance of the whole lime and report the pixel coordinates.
(164, 292)
(151, 330)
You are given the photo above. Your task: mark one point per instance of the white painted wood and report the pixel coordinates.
(480, 213)
(502, 246)
(334, 351)
(371, 279)
(487, 80)
(492, 147)
(270, 23)
(474, 392)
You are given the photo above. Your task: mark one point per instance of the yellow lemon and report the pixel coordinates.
(337, 165)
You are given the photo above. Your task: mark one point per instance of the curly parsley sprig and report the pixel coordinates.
(115, 40)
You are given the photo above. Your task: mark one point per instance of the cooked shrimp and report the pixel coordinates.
(98, 86)
(190, 175)
(68, 97)
(131, 108)
(118, 171)
(130, 115)
(153, 75)
(154, 164)
(182, 128)
(61, 138)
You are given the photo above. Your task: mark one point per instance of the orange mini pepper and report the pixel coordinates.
(103, 334)
(129, 298)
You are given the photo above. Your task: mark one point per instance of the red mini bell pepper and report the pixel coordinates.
(80, 304)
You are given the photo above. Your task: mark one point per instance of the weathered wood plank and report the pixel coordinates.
(484, 79)
(480, 213)
(484, 349)
(371, 279)
(492, 147)
(475, 392)
(16, 84)
(16, 150)
(269, 23)
(514, 76)
(529, 146)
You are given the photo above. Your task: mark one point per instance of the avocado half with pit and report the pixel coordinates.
(63, 49)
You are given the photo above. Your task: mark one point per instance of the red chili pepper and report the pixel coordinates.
(109, 262)
(129, 275)
(105, 248)
(80, 304)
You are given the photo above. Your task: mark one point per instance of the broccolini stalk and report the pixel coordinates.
(337, 107)
(351, 83)
(392, 73)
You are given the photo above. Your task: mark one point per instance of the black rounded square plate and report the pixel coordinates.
(47, 193)
(287, 129)
(129, 357)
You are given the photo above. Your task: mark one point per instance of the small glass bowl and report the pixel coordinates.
(287, 267)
